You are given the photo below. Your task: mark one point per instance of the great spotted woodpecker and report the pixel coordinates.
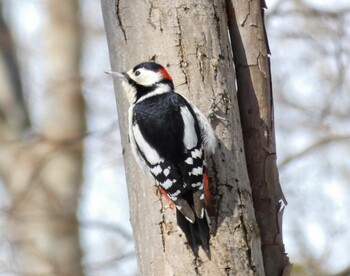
(169, 138)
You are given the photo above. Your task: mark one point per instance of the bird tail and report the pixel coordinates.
(197, 233)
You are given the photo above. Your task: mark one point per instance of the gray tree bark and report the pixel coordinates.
(246, 25)
(191, 40)
(43, 173)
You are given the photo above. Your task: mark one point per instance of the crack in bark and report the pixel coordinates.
(260, 66)
(183, 63)
(246, 232)
(217, 196)
(162, 223)
(217, 20)
(120, 20)
(161, 226)
(221, 55)
(247, 15)
(150, 13)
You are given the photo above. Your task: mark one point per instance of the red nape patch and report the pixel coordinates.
(165, 74)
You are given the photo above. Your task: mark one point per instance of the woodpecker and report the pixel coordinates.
(170, 138)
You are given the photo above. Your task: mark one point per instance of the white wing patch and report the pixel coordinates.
(150, 153)
(196, 171)
(197, 185)
(167, 184)
(189, 161)
(190, 136)
(166, 171)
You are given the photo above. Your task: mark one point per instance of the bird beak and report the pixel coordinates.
(122, 76)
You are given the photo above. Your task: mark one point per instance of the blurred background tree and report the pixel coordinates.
(43, 46)
(310, 47)
(42, 170)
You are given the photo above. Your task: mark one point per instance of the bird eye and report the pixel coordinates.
(137, 73)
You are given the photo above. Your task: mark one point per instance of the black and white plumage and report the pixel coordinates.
(168, 138)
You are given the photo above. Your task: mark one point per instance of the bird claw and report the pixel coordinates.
(212, 114)
(215, 115)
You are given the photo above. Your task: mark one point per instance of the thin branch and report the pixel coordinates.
(305, 10)
(321, 143)
(107, 227)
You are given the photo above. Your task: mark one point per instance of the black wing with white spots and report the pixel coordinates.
(167, 136)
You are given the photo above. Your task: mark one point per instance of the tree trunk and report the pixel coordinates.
(43, 173)
(191, 40)
(256, 109)
(14, 118)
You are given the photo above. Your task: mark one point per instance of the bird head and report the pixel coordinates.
(145, 78)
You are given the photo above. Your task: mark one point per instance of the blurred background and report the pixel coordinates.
(58, 118)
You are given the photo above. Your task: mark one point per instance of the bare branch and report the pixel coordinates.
(316, 145)
(107, 227)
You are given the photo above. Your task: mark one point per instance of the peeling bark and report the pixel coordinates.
(191, 40)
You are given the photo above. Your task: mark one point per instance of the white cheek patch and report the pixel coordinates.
(146, 77)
